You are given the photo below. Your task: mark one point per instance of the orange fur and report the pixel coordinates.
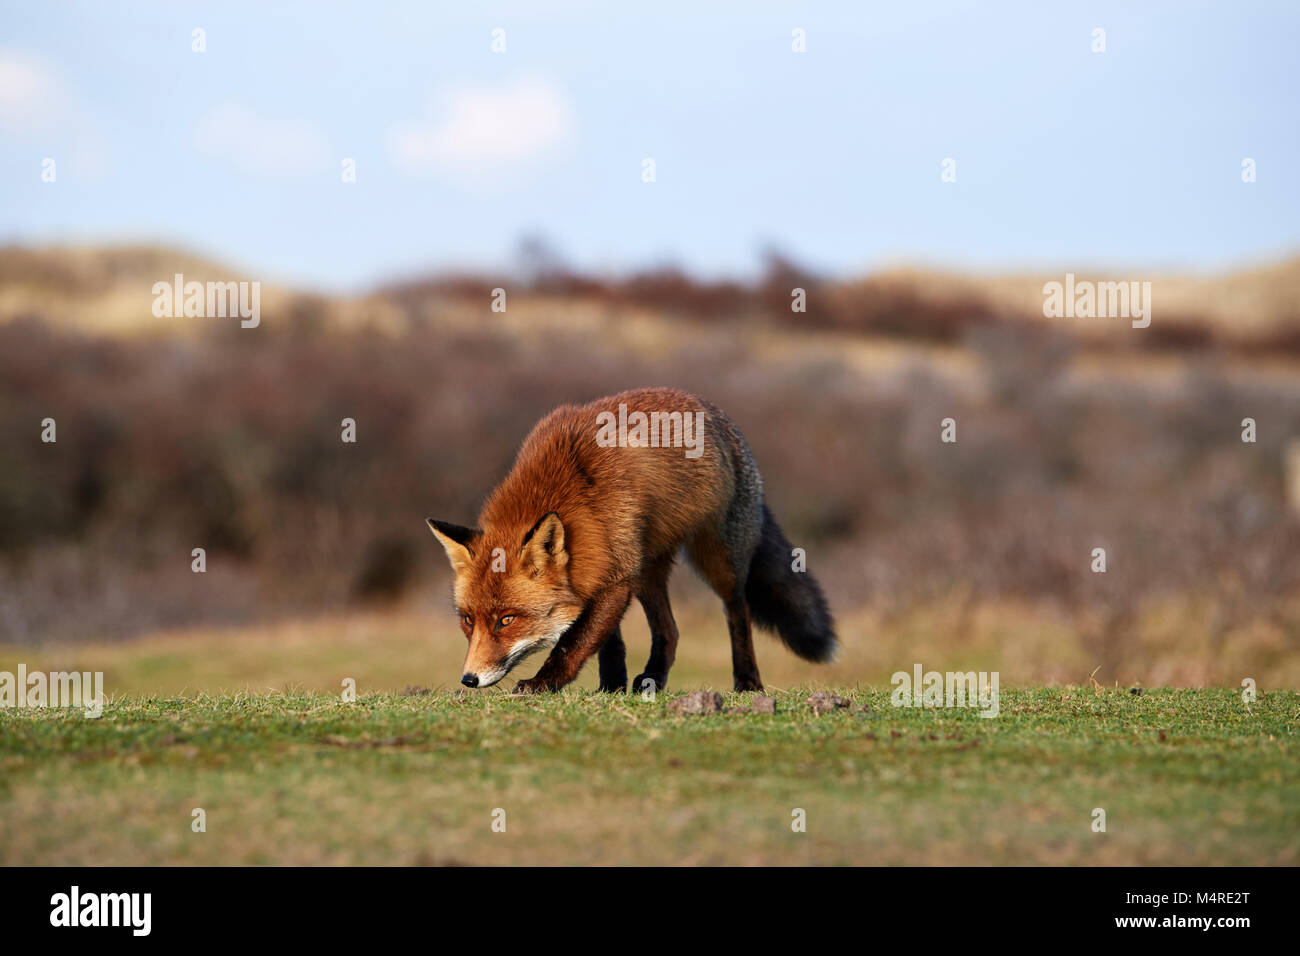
(577, 528)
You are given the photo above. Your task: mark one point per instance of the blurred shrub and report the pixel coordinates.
(230, 441)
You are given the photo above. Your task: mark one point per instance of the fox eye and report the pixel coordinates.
(505, 620)
(467, 620)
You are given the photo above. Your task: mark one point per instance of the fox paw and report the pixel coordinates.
(609, 687)
(656, 683)
(533, 686)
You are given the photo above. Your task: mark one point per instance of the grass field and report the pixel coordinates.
(1185, 777)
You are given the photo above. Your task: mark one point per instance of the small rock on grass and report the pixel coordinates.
(762, 704)
(697, 702)
(822, 703)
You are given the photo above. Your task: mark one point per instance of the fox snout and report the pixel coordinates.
(485, 664)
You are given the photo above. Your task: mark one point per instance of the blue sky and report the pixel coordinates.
(1065, 158)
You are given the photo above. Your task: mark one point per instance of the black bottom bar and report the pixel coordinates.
(330, 906)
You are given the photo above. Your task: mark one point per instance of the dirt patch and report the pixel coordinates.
(697, 702)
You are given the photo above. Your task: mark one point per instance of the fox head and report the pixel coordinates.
(511, 591)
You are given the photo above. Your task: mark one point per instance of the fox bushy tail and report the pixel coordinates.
(786, 601)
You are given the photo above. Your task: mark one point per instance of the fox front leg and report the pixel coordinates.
(613, 663)
(597, 625)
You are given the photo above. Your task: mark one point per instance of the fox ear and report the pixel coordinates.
(543, 546)
(455, 540)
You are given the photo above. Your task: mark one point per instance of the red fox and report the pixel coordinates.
(600, 500)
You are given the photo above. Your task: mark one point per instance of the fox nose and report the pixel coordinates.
(469, 680)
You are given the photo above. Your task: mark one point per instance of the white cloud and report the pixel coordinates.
(474, 130)
(32, 97)
(260, 146)
(37, 107)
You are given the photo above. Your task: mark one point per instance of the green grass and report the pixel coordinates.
(1185, 777)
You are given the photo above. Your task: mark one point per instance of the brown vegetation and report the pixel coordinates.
(229, 439)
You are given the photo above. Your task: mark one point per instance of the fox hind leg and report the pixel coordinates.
(744, 665)
(723, 561)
